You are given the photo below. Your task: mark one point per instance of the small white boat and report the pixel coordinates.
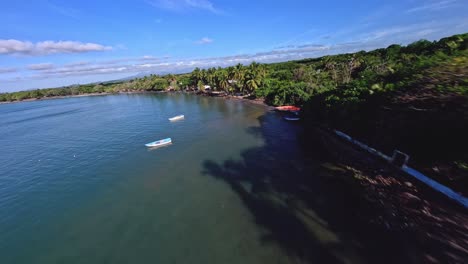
(159, 143)
(292, 118)
(175, 118)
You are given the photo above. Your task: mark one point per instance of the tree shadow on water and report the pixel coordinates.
(282, 224)
(307, 213)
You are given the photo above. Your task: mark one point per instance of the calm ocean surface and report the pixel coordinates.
(77, 184)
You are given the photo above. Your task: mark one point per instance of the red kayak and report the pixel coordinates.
(290, 108)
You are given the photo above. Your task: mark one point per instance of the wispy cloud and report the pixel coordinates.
(184, 5)
(296, 38)
(40, 66)
(405, 33)
(144, 58)
(148, 58)
(204, 41)
(63, 10)
(7, 70)
(433, 6)
(383, 12)
(359, 40)
(152, 64)
(78, 63)
(13, 46)
(149, 64)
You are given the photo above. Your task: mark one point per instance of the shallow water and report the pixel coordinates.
(77, 184)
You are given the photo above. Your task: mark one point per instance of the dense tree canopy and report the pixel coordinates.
(442, 65)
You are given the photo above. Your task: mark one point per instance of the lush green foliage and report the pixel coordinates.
(332, 81)
(147, 83)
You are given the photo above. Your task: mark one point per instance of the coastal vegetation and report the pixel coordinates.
(338, 80)
(412, 97)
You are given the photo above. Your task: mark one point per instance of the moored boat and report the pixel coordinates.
(292, 118)
(175, 118)
(159, 143)
(288, 108)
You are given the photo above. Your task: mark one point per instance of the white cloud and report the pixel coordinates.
(13, 46)
(148, 57)
(152, 64)
(359, 40)
(183, 5)
(145, 58)
(10, 46)
(7, 70)
(40, 66)
(433, 6)
(204, 41)
(77, 64)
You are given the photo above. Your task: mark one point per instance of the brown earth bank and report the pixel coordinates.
(429, 126)
(419, 224)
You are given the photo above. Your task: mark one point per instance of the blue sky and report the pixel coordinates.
(54, 43)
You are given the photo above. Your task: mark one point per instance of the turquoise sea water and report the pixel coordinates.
(77, 185)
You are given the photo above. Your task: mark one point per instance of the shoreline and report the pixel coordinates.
(226, 97)
(79, 95)
(252, 101)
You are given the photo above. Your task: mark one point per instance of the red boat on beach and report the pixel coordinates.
(288, 108)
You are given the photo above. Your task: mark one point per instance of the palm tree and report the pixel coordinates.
(196, 76)
(239, 72)
(252, 81)
(210, 76)
(254, 76)
(231, 72)
(203, 76)
(172, 80)
(222, 79)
